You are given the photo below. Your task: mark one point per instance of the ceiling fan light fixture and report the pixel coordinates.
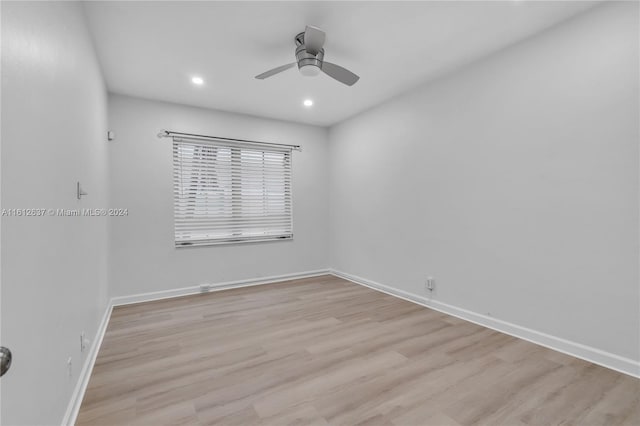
(309, 70)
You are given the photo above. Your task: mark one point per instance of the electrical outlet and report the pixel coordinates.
(430, 284)
(84, 342)
(205, 287)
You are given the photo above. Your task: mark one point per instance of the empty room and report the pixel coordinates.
(404, 213)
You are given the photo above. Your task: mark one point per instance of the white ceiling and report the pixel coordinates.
(151, 49)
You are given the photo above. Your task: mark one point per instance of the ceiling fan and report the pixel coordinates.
(310, 59)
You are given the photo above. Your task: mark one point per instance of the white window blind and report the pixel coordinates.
(230, 192)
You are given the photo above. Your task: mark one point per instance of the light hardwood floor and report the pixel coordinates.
(323, 351)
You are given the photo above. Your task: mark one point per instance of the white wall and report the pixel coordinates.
(54, 269)
(143, 257)
(514, 182)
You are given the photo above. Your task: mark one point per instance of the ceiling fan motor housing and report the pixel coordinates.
(308, 64)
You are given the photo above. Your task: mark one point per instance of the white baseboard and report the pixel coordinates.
(73, 408)
(588, 353)
(185, 291)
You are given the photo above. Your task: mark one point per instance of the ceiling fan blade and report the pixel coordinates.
(313, 39)
(274, 71)
(343, 75)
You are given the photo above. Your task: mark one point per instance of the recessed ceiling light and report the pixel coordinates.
(308, 102)
(197, 80)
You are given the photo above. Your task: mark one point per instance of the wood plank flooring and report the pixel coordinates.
(324, 351)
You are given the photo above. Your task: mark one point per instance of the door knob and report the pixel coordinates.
(5, 360)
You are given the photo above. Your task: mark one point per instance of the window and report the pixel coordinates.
(230, 192)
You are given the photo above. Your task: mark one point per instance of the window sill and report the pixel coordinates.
(218, 242)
